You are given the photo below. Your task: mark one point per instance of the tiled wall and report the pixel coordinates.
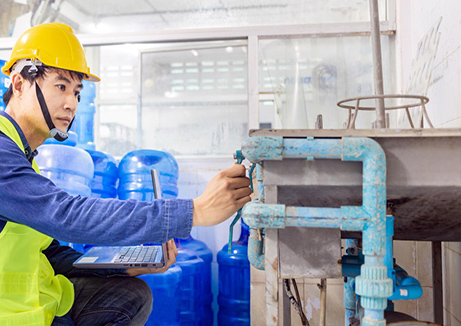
(415, 257)
(452, 283)
(414, 19)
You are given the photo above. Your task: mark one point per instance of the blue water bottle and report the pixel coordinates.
(104, 183)
(70, 169)
(4, 84)
(84, 120)
(191, 297)
(166, 291)
(135, 180)
(234, 282)
(202, 250)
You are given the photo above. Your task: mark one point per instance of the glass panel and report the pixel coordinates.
(116, 99)
(301, 78)
(194, 99)
(112, 16)
(116, 129)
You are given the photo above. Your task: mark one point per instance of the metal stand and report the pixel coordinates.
(417, 101)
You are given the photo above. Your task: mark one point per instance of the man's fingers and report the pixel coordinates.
(242, 201)
(242, 192)
(236, 170)
(172, 248)
(175, 249)
(240, 182)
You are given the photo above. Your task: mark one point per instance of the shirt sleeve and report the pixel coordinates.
(28, 198)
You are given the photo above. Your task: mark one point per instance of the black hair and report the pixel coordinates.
(42, 71)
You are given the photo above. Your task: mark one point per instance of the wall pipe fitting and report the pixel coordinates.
(372, 285)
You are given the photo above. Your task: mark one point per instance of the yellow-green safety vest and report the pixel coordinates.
(30, 292)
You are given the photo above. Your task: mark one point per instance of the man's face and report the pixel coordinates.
(60, 91)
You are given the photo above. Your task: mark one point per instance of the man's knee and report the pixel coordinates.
(144, 294)
(106, 300)
(143, 290)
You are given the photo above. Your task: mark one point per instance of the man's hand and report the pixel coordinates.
(225, 194)
(172, 253)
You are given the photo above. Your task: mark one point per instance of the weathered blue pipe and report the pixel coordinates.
(373, 317)
(349, 300)
(259, 180)
(372, 285)
(259, 215)
(389, 255)
(255, 249)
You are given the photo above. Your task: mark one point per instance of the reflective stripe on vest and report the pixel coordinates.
(30, 293)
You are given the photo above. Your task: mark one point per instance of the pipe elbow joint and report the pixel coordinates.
(260, 148)
(259, 216)
(360, 149)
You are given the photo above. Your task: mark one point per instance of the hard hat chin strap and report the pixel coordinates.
(54, 132)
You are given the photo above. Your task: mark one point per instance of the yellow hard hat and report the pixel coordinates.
(54, 45)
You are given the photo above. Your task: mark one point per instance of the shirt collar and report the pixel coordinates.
(27, 150)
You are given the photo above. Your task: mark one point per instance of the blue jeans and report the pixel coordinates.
(108, 302)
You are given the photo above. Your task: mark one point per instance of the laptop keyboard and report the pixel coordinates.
(137, 254)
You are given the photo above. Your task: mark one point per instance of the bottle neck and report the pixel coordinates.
(245, 232)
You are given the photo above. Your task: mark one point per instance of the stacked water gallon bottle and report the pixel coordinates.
(234, 282)
(183, 294)
(179, 292)
(4, 84)
(84, 121)
(70, 168)
(136, 183)
(202, 250)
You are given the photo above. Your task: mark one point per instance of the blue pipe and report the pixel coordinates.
(255, 241)
(389, 255)
(406, 287)
(259, 215)
(259, 180)
(373, 317)
(255, 249)
(349, 300)
(372, 285)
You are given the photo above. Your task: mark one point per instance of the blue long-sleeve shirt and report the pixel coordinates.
(33, 200)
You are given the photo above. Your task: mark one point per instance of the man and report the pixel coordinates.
(38, 285)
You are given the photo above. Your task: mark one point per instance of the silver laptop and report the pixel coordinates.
(148, 256)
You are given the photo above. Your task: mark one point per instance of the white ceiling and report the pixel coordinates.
(110, 8)
(117, 16)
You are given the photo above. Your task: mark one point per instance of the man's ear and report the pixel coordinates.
(17, 83)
